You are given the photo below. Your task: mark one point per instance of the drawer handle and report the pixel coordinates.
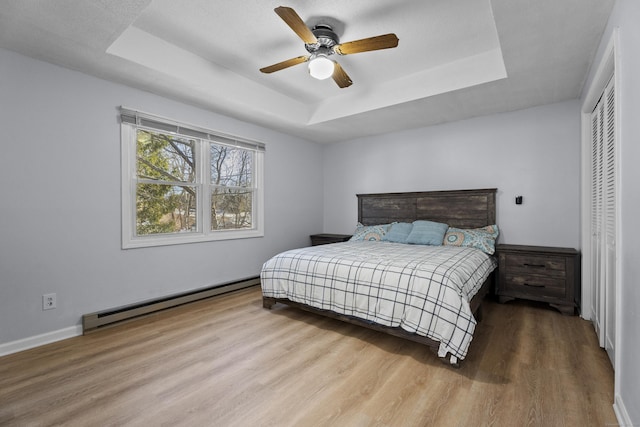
(534, 265)
(533, 285)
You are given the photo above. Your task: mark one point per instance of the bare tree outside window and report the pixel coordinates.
(167, 188)
(232, 192)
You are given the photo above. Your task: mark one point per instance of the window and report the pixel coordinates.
(183, 184)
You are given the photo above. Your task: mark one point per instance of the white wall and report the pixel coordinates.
(625, 16)
(60, 201)
(534, 153)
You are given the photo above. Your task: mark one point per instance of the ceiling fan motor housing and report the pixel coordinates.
(327, 39)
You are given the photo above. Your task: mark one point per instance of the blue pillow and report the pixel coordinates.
(370, 232)
(398, 232)
(427, 233)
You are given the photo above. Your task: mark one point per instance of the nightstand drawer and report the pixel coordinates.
(542, 265)
(536, 286)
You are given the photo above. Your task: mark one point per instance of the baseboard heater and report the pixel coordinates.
(95, 321)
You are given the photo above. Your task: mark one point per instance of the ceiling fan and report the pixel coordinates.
(321, 42)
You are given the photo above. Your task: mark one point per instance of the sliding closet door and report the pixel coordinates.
(603, 219)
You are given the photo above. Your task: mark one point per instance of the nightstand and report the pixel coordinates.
(323, 239)
(539, 273)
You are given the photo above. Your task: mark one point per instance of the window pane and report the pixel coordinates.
(165, 157)
(231, 209)
(165, 209)
(231, 166)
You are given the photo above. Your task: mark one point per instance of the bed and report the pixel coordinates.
(421, 292)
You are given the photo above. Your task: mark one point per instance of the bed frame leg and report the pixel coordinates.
(446, 360)
(268, 302)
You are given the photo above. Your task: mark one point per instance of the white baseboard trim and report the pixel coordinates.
(621, 412)
(38, 340)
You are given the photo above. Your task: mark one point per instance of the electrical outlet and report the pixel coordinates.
(49, 301)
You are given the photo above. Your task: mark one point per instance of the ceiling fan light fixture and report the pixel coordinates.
(321, 67)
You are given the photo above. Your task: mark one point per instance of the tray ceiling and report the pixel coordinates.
(456, 58)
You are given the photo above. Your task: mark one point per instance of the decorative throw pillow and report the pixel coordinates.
(427, 233)
(369, 232)
(481, 238)
(398, 232)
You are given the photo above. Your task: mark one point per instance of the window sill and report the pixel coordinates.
(168, 240)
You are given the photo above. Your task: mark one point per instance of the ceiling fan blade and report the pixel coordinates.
(285, 64)
(385, 41)
(293, 20)
(341, 78)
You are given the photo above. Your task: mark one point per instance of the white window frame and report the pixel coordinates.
(131, 121)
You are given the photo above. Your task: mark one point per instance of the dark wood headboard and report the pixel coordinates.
(458, 208)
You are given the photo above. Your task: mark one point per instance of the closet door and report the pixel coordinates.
(597, 305)
(603, 219)
(610, 221)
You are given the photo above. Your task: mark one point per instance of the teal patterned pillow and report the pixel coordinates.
(369, 232)
(481, 238)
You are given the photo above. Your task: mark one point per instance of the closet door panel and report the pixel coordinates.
(609, 219)
(596, 221)
(603, 219)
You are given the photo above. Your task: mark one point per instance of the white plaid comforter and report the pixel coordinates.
(422, 289)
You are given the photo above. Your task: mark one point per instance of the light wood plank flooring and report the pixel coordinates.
(227, 361)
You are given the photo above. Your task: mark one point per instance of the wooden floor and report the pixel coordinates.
(227, 361)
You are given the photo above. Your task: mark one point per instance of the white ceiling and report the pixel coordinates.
(456, 58)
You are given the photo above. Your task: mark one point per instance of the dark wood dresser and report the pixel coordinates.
(539, 273)
(324, 238)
